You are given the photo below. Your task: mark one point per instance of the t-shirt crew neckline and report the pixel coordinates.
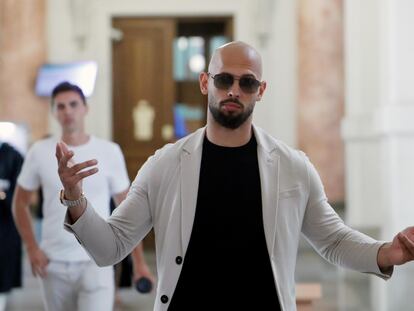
(251, 141)
(91, 138)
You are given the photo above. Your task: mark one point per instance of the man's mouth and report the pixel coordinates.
(231, 107)
(68, 120)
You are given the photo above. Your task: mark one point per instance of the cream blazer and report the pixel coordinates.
(163, 196)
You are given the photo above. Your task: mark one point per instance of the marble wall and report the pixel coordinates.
(22, 51)
(321, 90)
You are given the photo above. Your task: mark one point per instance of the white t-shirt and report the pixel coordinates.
(40, 170)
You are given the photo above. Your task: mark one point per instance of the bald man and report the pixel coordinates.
(228, 204)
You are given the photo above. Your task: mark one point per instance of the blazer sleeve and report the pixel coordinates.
(330, 237)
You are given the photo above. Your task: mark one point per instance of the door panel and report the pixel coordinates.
(142, 70)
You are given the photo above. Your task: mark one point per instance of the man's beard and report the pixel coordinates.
(229, 120)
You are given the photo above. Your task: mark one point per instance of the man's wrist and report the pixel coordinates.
(31, 247)
(384, 263)
(79, 201)
(71, 195)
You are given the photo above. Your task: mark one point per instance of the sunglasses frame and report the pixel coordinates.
(236, 78)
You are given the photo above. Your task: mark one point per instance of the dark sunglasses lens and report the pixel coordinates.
(249, 84)
(223, 81)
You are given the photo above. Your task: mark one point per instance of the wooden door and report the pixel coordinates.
(142, 78)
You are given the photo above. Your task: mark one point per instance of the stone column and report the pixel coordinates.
(22, 52)
(378, 129)
(321, 91)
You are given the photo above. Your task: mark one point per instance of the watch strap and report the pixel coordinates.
(71, 203)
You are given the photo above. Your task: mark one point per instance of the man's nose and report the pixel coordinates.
(67, 111)
(234, 90)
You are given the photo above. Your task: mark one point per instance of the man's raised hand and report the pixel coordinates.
(72, 174)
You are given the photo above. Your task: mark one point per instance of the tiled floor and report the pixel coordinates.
(342, 290)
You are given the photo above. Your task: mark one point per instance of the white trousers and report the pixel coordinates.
(3, 301)
(78, 286)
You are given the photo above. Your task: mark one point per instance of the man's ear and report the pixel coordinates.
(203, 80)
(262, 89)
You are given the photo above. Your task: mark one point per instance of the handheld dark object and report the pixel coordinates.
(143, 285)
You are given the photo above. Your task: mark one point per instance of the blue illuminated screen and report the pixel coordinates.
(83, 74)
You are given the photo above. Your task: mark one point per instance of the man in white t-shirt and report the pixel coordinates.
(70, 279)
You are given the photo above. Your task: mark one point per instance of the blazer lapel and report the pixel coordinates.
(269, 180)
(190, 162)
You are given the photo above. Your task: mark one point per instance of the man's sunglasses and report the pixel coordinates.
(224, 81)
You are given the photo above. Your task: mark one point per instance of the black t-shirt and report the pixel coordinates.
(227, 264)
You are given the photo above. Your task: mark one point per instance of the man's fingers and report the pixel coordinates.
(64, 159)
(34, 271)
(73, 180)
(39, 271)
(42, 271)
(80, 166)
(407, 243)
(82, 175)
(68, 153)
(59, 152)
(409, 232)
(65, 156)
(69, 172)
(78, 172)
(64, 147)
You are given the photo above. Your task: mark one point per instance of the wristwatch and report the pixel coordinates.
(71, 203)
